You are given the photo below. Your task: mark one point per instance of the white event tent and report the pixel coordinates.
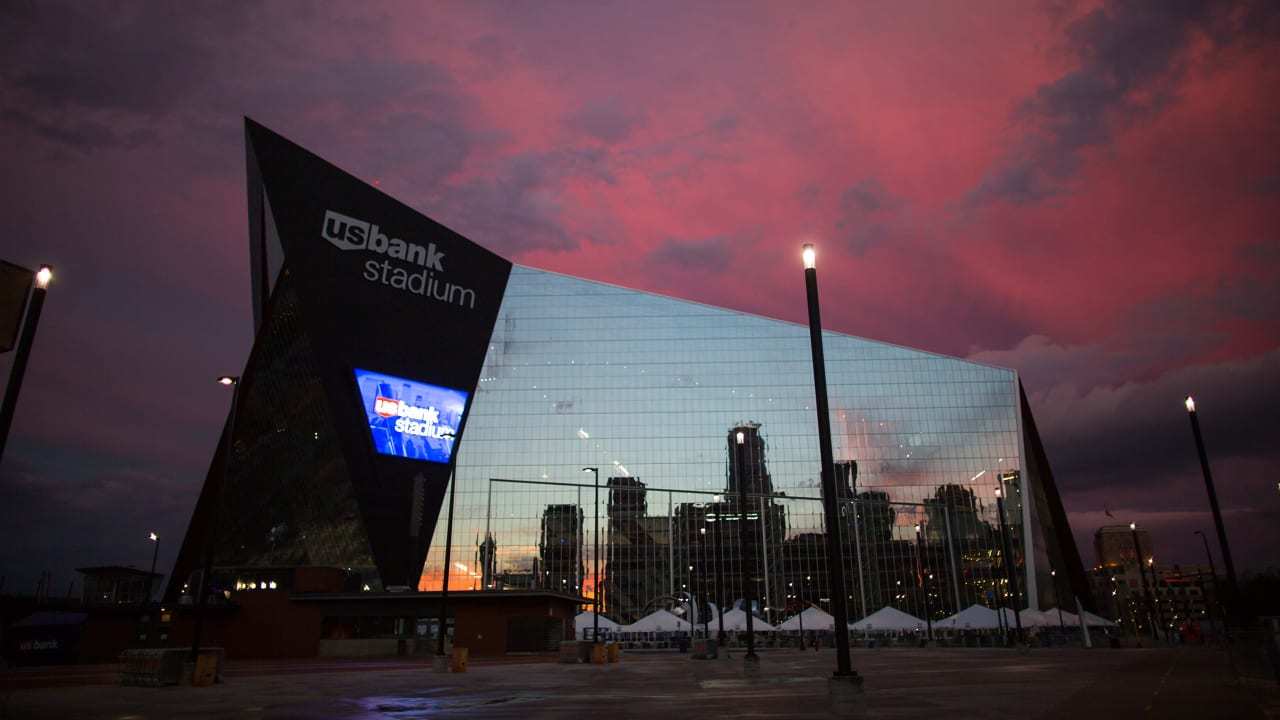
(1035, 618)
(736, 620)
(658, 621)
(974, 617)
(586, 621)
(1069, 619)
(1095, 621)
(813, 618)
(888, 619)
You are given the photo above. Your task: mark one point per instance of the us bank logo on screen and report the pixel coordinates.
(404, 265)
(408, 418)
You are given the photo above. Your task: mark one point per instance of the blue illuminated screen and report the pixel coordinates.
(410, 419)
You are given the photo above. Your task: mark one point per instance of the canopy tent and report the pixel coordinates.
(888, 618)
(586, 621)
(813, 618)
(1069, 619)
(974, 617)
(1095, 621)
(1006, 618)
(736, 620)
(1034, 618)
(658, 621)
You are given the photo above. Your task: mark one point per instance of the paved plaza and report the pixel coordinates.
(1048, 683)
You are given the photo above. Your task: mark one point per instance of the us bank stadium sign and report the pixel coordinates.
(401, 264)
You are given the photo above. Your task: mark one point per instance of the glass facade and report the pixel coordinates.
(618, 445)
(653, 391)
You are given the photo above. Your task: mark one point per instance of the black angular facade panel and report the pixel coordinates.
(345, 279)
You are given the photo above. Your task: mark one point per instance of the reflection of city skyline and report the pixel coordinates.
(644, 387)
(649, 553)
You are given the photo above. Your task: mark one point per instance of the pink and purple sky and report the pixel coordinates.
(1085, 192)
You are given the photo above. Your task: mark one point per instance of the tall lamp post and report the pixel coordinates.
(1213, 573)
(1057, 600)
(835, 567)
(1146, 590)
(928, 614)
(211, 537)
(1008, 562)
(439, 664)
(744, 534)
(595, 586)
(719, 499)
(151, 578)
(23, 352)
(1232, 590)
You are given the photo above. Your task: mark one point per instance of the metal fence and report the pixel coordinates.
(643, 546)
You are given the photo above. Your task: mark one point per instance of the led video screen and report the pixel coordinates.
(410, 419)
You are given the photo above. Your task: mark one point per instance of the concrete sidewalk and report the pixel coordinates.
(1053, 684)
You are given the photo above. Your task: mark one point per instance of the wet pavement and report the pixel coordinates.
(1047, 683)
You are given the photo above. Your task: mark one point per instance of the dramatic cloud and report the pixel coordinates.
(1083, 192)
(1131, 58)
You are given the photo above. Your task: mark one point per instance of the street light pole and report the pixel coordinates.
(23, 352)
(719, 499)
(1057, 600)
(211, 537)
(835, 568)
(1232, 590)
(151, 578)
(743, 535)
(928, 614)
(439, 664)
(1146, 591)
(1008, 562)
(1213, 573)
(595, 591)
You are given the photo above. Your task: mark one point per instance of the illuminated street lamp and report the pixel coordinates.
(211, 536)
(835, 568)
(151, 579)
(595, 619)
(1232, 593)
(22, 352)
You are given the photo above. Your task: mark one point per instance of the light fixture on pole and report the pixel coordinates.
(830, 498)
(1008, 562)
(1232, 591)
(23, 352)
(151, 578)
(211, 536)
(595, 588)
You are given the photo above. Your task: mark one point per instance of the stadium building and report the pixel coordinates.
(392, 354)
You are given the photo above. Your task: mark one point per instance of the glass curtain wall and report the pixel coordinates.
(701, 423)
